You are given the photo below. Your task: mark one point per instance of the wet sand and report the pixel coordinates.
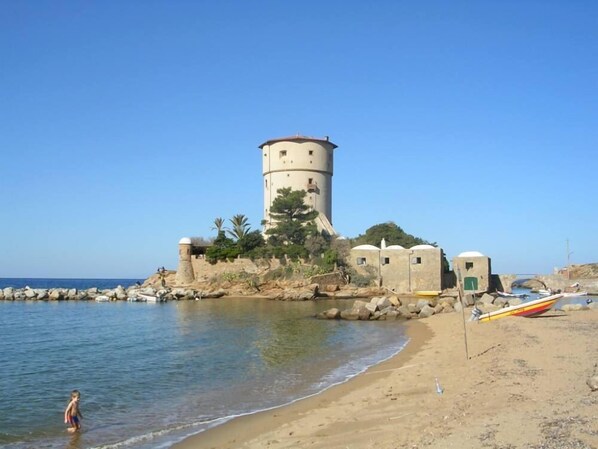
(523, 386)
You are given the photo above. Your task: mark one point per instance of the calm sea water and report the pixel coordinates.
(151, 374)
(80, 284)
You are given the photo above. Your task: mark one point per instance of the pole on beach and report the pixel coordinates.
(462, 312)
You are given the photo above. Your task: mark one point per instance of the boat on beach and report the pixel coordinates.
(527, 309)
(511, 295)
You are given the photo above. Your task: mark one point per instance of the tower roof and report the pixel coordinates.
(298, 138)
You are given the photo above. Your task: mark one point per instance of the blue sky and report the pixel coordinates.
(125, 126)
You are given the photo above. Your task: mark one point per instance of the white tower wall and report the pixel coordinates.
(301, 163)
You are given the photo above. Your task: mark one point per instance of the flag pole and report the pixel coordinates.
(462, 312)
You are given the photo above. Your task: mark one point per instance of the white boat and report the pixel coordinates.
(151, 298)
(511, 295)
(102, 298)
(543, 292)
(574, 294)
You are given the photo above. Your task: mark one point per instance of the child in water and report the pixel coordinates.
(72, 414)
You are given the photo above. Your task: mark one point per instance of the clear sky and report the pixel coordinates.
(126, 125)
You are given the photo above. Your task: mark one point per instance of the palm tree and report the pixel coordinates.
(218, 225)
(240, 227)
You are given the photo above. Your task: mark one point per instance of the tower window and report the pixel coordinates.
(416, 260)
(311, 152)
(361, 261)
(283, 153)
(266, 183)
(468, 265)
(385, 260)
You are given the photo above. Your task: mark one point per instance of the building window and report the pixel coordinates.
(416, 260)
(265, 154)
(311, 152)
(361, 261)
(283, 153)
(385, 260)
(468, 265)
(266, 183)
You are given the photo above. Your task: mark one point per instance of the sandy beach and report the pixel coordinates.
(523, 386)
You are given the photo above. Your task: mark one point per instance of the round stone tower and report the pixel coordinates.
(184, 273)
(301, 163)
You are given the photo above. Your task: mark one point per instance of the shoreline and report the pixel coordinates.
(523, 386)
(248, 427)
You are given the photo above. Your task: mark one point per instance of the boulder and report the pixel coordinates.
(500, 302)
(426, 312)
(404, 311)
(395, 301)
(412, 308)
(72, 293)
(371, 307)
(351, 315)
(485, 308)
(458, 307)
(55, 295)
(333, 314)
(421, 304)
(514, 301)
(19, 295)
(383, 303)
(469, 299)
(439, 308)
(359, 304)
(487, 299)
(30, 293)
(593, 382)
(8, 293)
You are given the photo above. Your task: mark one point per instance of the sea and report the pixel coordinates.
(151, 375)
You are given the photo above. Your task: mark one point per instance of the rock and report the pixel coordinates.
(371, 307)
(383, 303)
(439, 308)
(593, 382)
(359, 304)
(8, 293)
(487, 299)
(514, 301)
(469, 299)
(55, 295)
(395, 301)
(392, 314)
(331, 288)
(485, 308)
(426, 312)
(412, 308)
(333, 314)
(350, 315)
(30, 293)
(404, 311)
(72, 293)
(458, 307)
(19, 295)
(500, 302)
(421, 304)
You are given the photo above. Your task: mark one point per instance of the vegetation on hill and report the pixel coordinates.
(391, 233)
(294, 235)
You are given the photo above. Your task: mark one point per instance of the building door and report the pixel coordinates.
(470, 283)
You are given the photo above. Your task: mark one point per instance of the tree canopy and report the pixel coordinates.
(292, 218)
(391, 233)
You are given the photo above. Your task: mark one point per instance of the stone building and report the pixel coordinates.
(473, 270)
(301, 163)
(399, 269)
